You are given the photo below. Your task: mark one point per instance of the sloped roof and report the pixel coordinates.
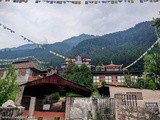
(58, 81)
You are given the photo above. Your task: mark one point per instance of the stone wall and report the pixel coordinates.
(80, 108)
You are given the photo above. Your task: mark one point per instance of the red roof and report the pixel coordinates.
(56, 81)
(112, 65)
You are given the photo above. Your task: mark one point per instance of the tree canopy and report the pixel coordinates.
(81, 75)
(152, 69)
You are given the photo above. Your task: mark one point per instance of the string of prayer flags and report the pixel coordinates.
(108, 1)
(80, 1)
(8, 63)
(145, 53)
(15, 1)
(58, 2)
(9, 60)
(56, 54)
(34, 43)
(39, 61)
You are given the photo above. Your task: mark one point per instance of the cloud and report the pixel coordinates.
(53, 23)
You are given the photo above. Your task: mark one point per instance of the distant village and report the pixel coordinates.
(38, 85)
(112, 74)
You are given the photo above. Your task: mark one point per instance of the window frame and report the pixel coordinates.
(108, 79)
(96, 79)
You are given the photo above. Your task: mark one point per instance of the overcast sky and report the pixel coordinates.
(44, 23)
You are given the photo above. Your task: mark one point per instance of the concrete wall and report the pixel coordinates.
(148, 95)
(23, 79)
(20, 79)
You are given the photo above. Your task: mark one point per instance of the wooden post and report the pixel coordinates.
(32, 107)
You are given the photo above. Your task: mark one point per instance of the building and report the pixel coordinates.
(111, 67)
(112, 74)
(40, 88)
(77, 61)
(28, 71)
(51, 84)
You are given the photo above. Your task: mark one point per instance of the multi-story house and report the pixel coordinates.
(77, 61)
(28, 71)
(112, 74)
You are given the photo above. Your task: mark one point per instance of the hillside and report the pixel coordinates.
(76, 40)
(59, 47)
(71, 42)
(22, 47)
(122, 47)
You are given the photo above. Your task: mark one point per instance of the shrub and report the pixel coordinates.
(55, 96)
(152, 85)
(95, 87)
(8, 86)
(103, 82)
(72, 95)
(139, 83)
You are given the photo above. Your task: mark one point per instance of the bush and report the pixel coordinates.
(72, 95)
(95, 87)
(139, 83)
(55, 96)
(152, 85)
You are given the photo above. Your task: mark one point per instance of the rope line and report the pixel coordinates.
(157, 42)
(10, 61)
(34, 43)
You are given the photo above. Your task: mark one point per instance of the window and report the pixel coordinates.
(138, 95)
(108, 79)
(121, 79)
(79, 59)
(95, 79)
(57, 118)
(151, 105)
(22, 72)
(133, 78)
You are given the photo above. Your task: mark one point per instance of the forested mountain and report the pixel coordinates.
(122, 47)
(75, 40)
(71, 42)
(59, 47)
(22, 47)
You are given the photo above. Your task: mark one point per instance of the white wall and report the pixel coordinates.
(23, 79)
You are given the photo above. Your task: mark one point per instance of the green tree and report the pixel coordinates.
(8, 86)
(103, 82)
(127, 78)
(68, 69)
(156, 24)
(95, 87)
(152, 67)
(81, 75)
(152, 63)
